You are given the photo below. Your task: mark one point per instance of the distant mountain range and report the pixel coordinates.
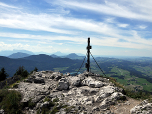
(54, 56)
(74, 56)
(8, 52)
(18, 55)
(70, 56)
(42, 62)
(58, 53)
(24, 53)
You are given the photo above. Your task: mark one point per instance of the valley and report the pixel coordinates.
(134, 73)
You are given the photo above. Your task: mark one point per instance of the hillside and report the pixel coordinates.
(42, 62)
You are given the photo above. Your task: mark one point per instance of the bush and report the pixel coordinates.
(31, 104)
(22, 72)
(46, 99)
(10, 101)
(137, 95)
(35, 69)
(56, 100)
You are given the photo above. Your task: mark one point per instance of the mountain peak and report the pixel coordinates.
(18, 55)
(83, 93)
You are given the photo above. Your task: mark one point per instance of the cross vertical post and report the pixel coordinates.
(88, 55)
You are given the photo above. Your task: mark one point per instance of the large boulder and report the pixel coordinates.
(33, 91)
(81, 76)
(111, 100)
(104, 92)
(37, 74)
(56, 76)
(117, 96)
(106, 103)
(74, 81)
(92, 83)
(38, 80)
(63, 84)
(34, 79)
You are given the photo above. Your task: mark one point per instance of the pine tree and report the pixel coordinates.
(36, 69)
(22, 72)
(3, 74)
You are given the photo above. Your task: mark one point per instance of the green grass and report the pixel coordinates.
(120, 72)
(10, 101)
(147, 70)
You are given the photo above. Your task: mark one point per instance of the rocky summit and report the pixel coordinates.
(86, 93)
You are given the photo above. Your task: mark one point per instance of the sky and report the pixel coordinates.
(115, 27)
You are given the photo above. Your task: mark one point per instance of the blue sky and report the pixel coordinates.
(116, 27)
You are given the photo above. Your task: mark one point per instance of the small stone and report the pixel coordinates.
(1, 111)
(44, 105)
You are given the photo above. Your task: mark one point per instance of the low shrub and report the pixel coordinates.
(10, 101)
(31, 104)
(56, 100)
(46, 99)
(138, 94)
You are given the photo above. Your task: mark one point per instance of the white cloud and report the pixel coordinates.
(33, 48)
(142, 27)
(54, 23)
(7, 6)
(4, 46)
(123, 25)
(108, 32)
(132, 9)
(135, 41)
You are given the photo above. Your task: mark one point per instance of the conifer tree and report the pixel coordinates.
(22, 72)
(36, 69)
(3, 74)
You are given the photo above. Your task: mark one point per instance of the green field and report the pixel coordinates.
(130, 80)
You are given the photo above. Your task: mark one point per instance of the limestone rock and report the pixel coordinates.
(109, 91)
(63, 84)
(56, 76)
(61, 111)
(143, 108)
(1, 111)
(38, 80)
(38, 74)
(34, 79)
(84, 93)
(117, 96)
(44, 105)
(92, 83)
(81, 76)
(74, 81)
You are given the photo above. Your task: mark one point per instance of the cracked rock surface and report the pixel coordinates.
(84, 93)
